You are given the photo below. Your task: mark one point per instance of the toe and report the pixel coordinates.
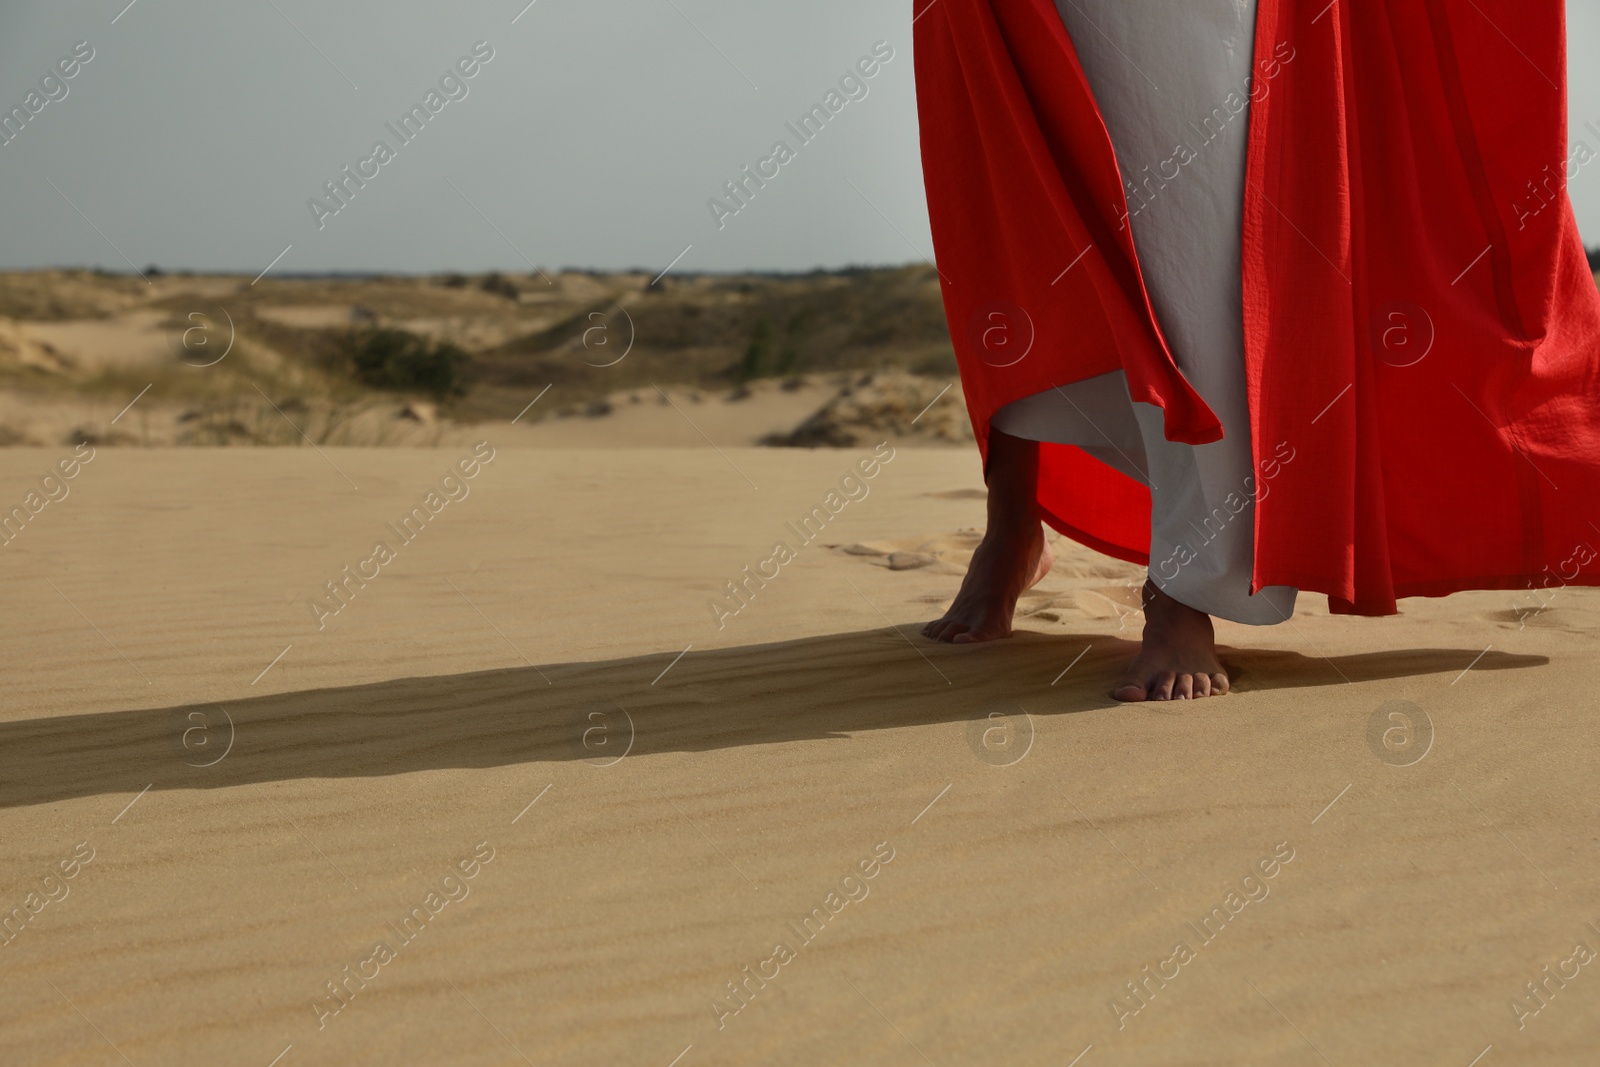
(1219, 683)
(1162, 689)
(1202, 685)
(1131, 692)
(1183, 687)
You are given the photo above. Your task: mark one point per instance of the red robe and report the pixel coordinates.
(1422, 332)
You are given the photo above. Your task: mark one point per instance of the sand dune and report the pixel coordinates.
(264, 802)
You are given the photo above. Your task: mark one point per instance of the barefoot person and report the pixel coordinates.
(1270, 297)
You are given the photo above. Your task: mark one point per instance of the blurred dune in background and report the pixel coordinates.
(828, 358)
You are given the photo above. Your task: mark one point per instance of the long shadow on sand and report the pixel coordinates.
(825, 687)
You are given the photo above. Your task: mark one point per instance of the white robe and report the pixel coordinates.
(1173, 80)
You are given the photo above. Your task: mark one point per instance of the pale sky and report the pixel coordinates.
(593, 138)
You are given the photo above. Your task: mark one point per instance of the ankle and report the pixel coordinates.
(1161, 608)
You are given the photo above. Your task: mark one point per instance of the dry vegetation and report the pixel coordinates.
(379, 360)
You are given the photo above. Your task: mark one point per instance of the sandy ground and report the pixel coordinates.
(131, 339)
(594, 831)
(673, 416)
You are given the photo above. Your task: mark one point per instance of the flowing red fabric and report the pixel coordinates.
(1422, 332)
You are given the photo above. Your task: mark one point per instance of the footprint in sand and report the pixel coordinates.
(915, 553)
(1532, 616)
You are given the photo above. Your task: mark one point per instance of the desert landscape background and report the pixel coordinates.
(241, 829)
(825, 358)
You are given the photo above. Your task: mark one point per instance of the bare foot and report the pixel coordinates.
(1008, 561)
(1011, 557)
(1178, 657)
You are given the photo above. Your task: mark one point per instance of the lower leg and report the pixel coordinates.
(1013, 554)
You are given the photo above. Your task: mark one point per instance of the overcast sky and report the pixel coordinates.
(595, 135)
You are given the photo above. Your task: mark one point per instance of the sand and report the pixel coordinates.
(468, 710)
